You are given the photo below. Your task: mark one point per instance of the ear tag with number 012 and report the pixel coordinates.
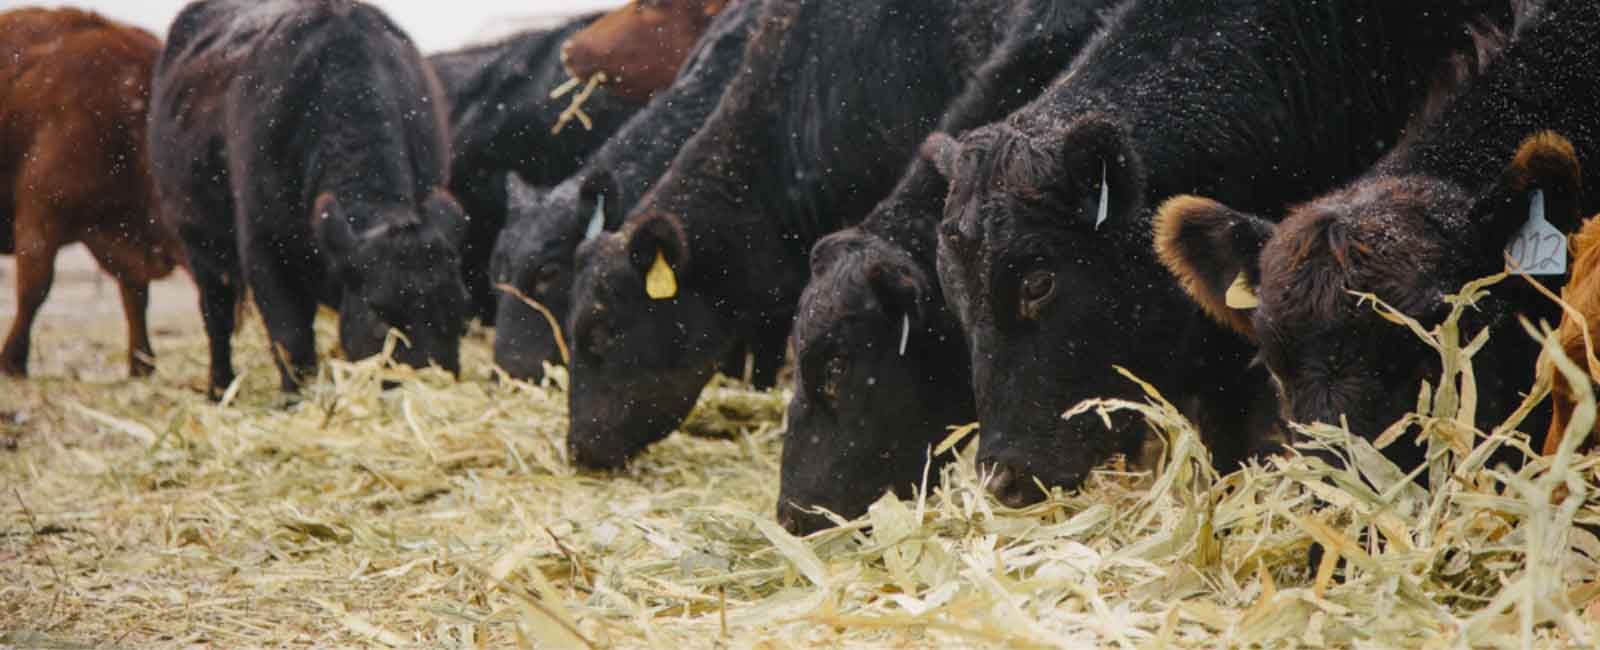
(1538, 248)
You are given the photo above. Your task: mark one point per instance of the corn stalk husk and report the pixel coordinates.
(443, 513)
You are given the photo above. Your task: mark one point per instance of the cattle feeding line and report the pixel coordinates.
(575, 111)
(549, 317)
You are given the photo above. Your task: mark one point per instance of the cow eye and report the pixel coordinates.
(833, 377)
(548, 273)
(1038, 287)
(596, 339)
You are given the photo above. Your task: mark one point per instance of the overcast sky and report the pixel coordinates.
(434, 24)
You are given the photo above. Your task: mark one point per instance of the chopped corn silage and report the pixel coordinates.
(444, 514)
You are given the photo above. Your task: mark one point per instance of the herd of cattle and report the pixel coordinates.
(944, 210)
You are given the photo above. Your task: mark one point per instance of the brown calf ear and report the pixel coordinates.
(1213, 250)
(943, 151)
(1544, 178)
(714, 7)
(658, 247)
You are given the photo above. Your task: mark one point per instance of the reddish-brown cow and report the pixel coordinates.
(641, 45)
(1583, 294)
(73, 93)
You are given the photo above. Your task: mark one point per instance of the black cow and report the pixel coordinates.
(501, 118)
(535, 251)
(881, 367)
(1436, 213)
(816, 128)
(301, 151)
(1045, 250)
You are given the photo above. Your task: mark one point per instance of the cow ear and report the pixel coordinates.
(332, 226)
(520, 196)
(903, 294)
(714, 7)
(1535, 204)
(659, 249)
(828, 249)
(1213, 250)
(1103, 177)
(442, 211)
(598, 204)
(943, 151)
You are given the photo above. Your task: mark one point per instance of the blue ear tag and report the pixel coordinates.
(597, 224)
(1539, 248)
(1105, 197)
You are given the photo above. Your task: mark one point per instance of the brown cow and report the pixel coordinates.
(73, 93)
(1582, 293)
(641, 45)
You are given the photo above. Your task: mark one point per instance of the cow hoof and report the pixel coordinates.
(19, 371)
(218, 389)
(140, 369)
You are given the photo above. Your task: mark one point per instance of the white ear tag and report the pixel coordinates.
(1105, 197)
(905, 333)
(597, 223)
(1538, 248)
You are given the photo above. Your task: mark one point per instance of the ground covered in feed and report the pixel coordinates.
(444, 514)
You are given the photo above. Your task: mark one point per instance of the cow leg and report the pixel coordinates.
(768, 352)
(135, 301)
(213, 262)
(126, 260)
(289, 313)
(36, 261)
(218, 295)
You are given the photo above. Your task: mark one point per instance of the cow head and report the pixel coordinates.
(639, 46)
(875, 384)
(535, 255)
(645, 340)
(402, 273)
(1409, 240)
(1043, 255)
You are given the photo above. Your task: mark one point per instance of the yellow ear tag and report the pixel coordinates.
(660, 283)
(1241, 295)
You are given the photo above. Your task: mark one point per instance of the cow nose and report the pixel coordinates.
(951, 230)
(799, 522)
(1012, 487)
